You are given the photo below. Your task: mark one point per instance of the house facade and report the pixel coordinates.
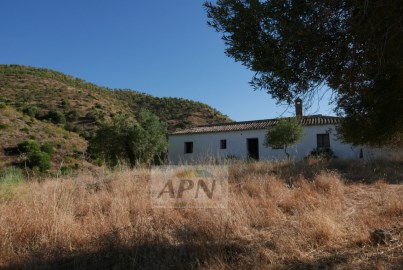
(243, 140)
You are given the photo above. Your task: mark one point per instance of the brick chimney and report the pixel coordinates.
(298, 108)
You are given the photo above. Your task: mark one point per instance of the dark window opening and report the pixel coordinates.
(323, 141)
(276, 147)
(188, 147)
(223, 144)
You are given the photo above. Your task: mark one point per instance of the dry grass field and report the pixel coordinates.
(284, 215)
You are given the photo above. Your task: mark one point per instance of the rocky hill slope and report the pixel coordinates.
(49, 106)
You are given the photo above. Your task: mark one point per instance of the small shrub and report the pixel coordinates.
(48, 148)
(2, 105)
(70, 127)
(65, 104)
(56, 117)
(73, 115)
(3, 126)
(39, 159)
(26, 130)
(28, 146)
(64, 170)
(30, 110)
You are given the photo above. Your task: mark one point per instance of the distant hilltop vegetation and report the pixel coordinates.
(50, 107)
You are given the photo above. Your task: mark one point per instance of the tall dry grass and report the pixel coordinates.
(280, 215)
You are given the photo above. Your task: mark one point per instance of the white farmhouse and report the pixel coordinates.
(245, 139)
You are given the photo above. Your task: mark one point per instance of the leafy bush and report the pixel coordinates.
(65, 104)
(26, 130)
(28, 146)
(37, 156)
(39, 159)
(142, 142)
(73, 115)
(30, 110)
(57, 117)
(2, 105)
(70, 127)
(48, 148)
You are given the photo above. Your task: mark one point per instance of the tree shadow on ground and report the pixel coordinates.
(348, 260)
(145, 256)
(206, 255)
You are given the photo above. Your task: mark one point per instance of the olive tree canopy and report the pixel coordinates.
(296, 46)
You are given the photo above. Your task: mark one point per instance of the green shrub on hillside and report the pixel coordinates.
(72, 115)
(28, 146)
(30, 110)
(56, 117)
(39, 159)
(48, 148)
(37, 156)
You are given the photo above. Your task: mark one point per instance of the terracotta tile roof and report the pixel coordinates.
(309, 120)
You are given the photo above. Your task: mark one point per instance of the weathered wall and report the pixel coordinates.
(206, 146)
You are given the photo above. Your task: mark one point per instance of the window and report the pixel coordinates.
(188, 147)
(223, 144)
(276, 147)
(323, 141)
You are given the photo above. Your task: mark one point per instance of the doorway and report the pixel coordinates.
(253, 148)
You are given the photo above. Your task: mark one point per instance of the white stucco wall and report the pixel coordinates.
(206, 146)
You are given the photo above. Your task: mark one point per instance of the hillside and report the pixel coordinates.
(49, 102)
(85, 104)
(15, 127)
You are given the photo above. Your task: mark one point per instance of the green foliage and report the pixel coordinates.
(11, 175)
(2, 105)
(92, 105)
(48, 148)
(65, 104)
(37, 156)
(137, 143)
(285, 133)
(73, 115)
(57, 117)
(39, 159)
(28, 146)
(30, 110)
(11, 183)
(3, 126)
(296, 47)
(154, 140)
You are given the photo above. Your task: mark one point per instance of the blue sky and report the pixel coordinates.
(163, 48)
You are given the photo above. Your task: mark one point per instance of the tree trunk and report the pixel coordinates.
(285, 151)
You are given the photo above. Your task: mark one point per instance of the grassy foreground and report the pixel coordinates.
(285, 215)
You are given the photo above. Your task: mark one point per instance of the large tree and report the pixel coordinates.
(296, 47)
(143, 142)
